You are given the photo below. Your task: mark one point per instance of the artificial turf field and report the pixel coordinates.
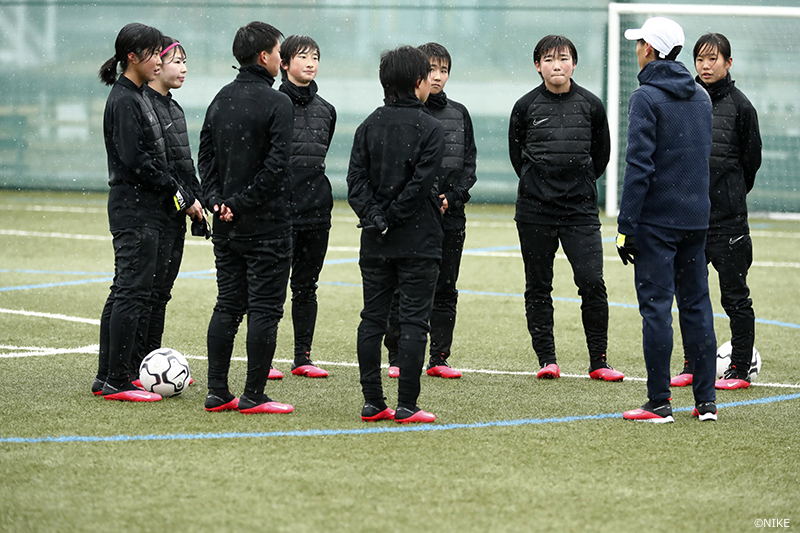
(507, 452)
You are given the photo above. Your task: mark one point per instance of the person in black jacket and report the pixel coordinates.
(455, 179)
(735, 159)
(142, 197)
(397, 152)
(245, 145)
(312, 199)
(179, 158)
(559, 145)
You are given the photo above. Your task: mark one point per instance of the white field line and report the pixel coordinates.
(92, 321)
(33, 351)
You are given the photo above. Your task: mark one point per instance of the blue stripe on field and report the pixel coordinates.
(366, 431)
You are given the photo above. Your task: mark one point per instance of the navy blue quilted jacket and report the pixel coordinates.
(669, 145)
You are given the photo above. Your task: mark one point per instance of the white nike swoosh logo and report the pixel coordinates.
(168, 126)
(737, 239)
(540, 121)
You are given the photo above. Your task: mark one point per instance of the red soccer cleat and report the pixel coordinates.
(550, 371)
(731, 384)
(215, 404)
(268, 407)
(681, 380)
(370, 413)
(137, 383)
(607, 374)
(649, 413)
(408, 416)
(274, 373)
(129, 393)
(309, 371)
(444, 371)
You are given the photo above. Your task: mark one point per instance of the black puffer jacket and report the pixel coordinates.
(735, 156)
(559, 145)
(142, 188)
(176, 140)
(314, 124)
(245, 145)
(457, 174)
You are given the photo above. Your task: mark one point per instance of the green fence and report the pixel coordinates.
(51, 103)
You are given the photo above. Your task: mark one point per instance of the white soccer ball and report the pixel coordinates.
(165, 371)
(724, 361)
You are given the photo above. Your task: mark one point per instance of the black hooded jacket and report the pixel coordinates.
(735, 156)
(245, 146)
(314, 124)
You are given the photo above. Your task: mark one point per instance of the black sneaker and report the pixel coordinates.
(705, 411)
(651, 412)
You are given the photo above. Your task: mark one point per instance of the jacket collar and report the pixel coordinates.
(300, 95)
(719, 88)
(437, 101)
(255, 72)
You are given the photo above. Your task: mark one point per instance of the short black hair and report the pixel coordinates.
(253, 39)
(296, 44)
(557, 43)
(713, 41)
(401, 69)
(437, 51)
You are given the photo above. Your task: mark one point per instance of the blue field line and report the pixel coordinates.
(365, 431)
(209, 274)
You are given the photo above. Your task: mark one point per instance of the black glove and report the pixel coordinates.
(200, 228)
(626, 248)
(374, 221)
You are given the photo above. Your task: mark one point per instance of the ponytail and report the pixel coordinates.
(108, 72)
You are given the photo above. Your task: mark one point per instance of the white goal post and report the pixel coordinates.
(613, 75)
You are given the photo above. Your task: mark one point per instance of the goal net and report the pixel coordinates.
(765, 47)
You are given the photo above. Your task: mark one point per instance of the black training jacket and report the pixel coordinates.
(457, 173)
(396, 154)
(314, 124)
(559, 145)
(735, 156)
(176, 140)
(245, 146)
(142, 188)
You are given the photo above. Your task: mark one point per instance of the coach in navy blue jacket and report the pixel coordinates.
(663, 218)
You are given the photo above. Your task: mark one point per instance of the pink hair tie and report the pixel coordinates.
(168, 48)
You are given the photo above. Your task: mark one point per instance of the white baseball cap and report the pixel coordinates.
(662, 33)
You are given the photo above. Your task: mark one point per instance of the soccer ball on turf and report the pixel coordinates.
(724, 361)
(164, 371)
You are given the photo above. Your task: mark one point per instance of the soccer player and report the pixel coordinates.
(245, 146)
(559, 145)
(397, 152)
(735, 159)
(312, 199)
(142, 197)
